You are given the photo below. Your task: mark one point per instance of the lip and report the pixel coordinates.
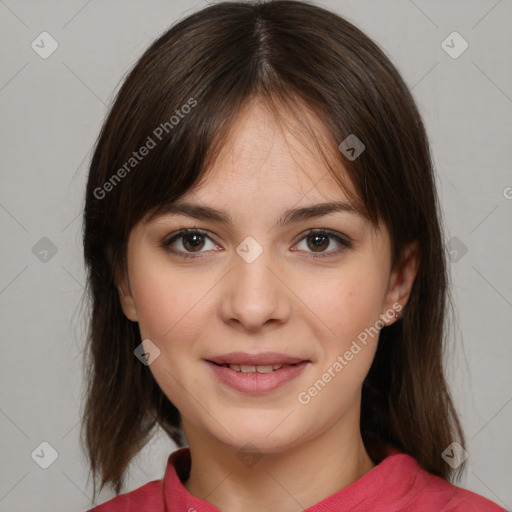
(263, 358)
(255, 383)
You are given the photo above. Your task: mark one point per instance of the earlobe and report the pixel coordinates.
(402, 278)
(126, 299)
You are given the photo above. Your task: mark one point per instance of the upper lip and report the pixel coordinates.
(264, 358)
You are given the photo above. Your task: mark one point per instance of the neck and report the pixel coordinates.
(296, 478)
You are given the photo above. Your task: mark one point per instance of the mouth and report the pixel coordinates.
(248, 368)
(261, 359)
(256, 373)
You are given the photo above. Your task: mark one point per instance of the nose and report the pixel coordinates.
(254, 295)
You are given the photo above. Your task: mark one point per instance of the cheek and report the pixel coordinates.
(340, 305)
(344, 316)
(167, 301)
(172, 309)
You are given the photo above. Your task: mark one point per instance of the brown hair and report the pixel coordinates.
(288, 54)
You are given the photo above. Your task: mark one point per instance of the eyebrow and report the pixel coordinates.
(290, 216)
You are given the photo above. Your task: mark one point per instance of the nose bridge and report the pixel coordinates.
(254, 294)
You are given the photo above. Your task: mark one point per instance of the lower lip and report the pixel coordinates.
(256, 383)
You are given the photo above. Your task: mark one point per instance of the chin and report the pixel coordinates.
(270, 436)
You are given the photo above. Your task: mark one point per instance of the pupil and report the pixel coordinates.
(197, 240)
(319, 241)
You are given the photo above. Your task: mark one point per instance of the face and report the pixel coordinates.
(313, 289)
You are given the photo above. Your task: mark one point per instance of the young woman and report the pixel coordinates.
(267, 273)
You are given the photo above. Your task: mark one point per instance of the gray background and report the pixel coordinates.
(52, 110)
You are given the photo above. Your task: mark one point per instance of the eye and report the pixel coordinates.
(320, 239)
(191, 242)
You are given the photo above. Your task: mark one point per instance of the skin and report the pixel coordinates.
(216, 303)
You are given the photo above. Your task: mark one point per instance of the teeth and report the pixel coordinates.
(246, 368)
(264, 369)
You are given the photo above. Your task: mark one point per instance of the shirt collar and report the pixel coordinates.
(398, 470)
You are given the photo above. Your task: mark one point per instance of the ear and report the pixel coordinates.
(126, 297)
(402, 279)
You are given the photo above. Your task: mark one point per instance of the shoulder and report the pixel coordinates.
(456, 499)
(147, 498)
(430, 492)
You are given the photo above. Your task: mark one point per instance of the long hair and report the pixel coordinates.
(178, 103)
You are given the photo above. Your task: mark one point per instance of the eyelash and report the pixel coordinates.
(167, 242)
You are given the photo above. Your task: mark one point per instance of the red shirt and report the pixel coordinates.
(398, 483)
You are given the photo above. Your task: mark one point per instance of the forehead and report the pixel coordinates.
(278, 157)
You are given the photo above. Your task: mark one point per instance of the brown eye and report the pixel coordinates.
(318, 241)
(188, 242)
(193, 242)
